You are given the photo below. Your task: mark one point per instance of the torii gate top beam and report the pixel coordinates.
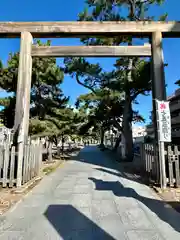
(78, 29)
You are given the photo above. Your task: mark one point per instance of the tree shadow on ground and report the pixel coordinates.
(160, 208)
(87, 155)
(107, 163)
(72, 224)
(124, 174)
(67, 153)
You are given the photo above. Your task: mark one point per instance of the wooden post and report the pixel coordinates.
(23, 98)
(159, 93)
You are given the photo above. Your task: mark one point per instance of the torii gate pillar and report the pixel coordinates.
(159, 93)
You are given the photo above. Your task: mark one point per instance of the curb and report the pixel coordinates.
(33, 182)
(28, 185)
(168, 204)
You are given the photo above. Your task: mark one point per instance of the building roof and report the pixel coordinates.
(175, 95)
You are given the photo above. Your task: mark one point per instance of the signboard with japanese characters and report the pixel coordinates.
(164, 121)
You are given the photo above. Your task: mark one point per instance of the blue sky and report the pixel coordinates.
(60, 10)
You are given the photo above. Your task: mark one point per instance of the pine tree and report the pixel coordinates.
(105, 110)
(98, 10)
(48, 110)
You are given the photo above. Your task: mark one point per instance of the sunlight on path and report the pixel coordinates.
(89, 199)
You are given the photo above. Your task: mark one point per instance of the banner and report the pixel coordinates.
(164, 121)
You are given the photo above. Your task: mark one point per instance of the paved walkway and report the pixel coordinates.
(87, 199)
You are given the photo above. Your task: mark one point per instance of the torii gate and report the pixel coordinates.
(155, 31)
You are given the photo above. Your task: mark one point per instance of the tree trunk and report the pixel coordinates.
(62, 144)
(102, 138)
(127, 130)
(49, 151)
(58, 150)
(127, 117)
(118, 140)
(55, 140)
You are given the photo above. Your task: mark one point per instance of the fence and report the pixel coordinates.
(148, 159)
(8, 163)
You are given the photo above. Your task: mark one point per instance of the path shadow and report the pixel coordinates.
(107, 163)
(68, 154)
(160, 208)
(123, 174)
(73, 225)
(92, 155)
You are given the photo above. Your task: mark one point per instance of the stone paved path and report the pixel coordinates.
(88, 199)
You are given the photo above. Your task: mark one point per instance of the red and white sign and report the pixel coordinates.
(164, 121)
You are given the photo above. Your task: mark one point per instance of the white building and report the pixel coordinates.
(139, 132)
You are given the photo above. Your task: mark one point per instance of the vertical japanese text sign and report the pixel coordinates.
(164, 121)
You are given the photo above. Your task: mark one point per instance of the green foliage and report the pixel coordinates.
(8, 112)
(130, 78)
(140, 78)
(109, 103)
(86, 74)
(177, 82)
(48, 112)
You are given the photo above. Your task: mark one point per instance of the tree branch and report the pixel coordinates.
(132, 4)
(84, 85)
(117, 125)
(137, 93)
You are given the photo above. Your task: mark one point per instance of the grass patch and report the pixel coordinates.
(49, 169)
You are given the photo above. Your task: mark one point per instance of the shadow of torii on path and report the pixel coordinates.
(70, 223)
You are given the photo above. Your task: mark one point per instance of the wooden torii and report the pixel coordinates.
(155, 31)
